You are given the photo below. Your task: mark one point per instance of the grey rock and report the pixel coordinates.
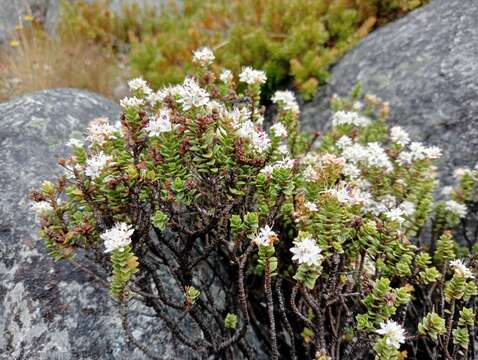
(425, 65)
(51, 310)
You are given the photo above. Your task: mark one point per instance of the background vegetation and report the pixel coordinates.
(293, 41)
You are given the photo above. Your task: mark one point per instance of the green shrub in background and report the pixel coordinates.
(216, 224)
(288, 39)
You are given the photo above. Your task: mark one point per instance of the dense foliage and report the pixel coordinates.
(288, 39)
(319, 247)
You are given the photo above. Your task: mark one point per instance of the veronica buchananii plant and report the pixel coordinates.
(311, 245)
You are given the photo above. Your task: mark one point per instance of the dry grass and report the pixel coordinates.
(35, 60)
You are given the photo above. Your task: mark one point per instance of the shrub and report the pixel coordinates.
(295, 39)
(36, 61)
(219, 226)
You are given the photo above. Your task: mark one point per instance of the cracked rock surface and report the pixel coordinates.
(426, 66)
(51, 310)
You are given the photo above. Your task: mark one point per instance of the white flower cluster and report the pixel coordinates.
(393, 332)
(239, 115)
(399, 136)
(96, 164)
(279, 130)
(100, 131)
(281, 164)
(129, 103)
(306, 251)
(373, 155)
(310, 174)
(139, 85)
(456, 208)
(159, 124)
(251, 76)
(191, 94)
(311, 206)
(41, 207)
(226, 76)
(118, 237)
(349, 195)
(458, 173)
(352, 171)
(419, 152)
(287, 100)
(349, 118)
(265, 237)
(461, 269)
(258, 138)
(344, 142)
(389, 207)
(203, 56)
(156, 98)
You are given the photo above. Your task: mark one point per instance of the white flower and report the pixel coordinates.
(74, 142)
(226, 76)
(306, 251)
(311, 206)
(393, 332)
(282, 164)
(349, 118)
(265, 237)
(399, 136)
(343, 142)
(191, 94)
(287, 100)
(157, 97)
(279, 130)
(456, 208)
(252, 77)
(357, 105)
(261, 141)
(99, 131)
(41, 207)
(284, 150)
(350, 196)
(159, 124)
(433, 152)
(405, 158)
(258, 138)
(461, 269)
(96, 164)
(203, 56)
(385, 204)
(118, 128)
(447, 190)
(239, 115)
(373, 155)
(458, 173)
(139, 85)
(376, 156)
(395, 214)
(420, 152)
(128, 103)
(351, 171)
(355, 153)
(407, 207)
(310, 174)
(118, 237)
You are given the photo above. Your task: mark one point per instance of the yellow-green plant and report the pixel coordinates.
(289, 39)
